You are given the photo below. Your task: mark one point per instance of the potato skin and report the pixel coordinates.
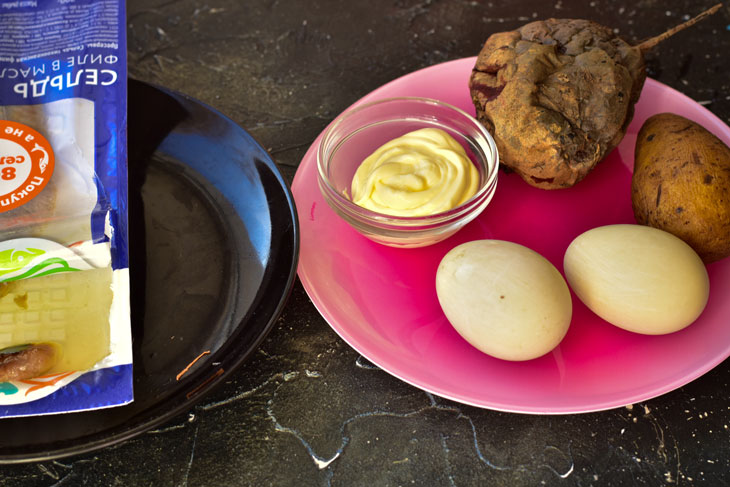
(681, 183)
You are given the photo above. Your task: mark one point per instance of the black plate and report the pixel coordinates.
(213, 253)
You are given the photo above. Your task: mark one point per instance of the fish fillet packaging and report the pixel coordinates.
(65, 334)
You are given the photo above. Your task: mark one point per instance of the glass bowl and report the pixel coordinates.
(359, 131)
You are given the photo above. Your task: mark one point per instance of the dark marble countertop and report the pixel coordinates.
(307, 409)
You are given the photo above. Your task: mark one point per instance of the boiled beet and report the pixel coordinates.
(557, 95)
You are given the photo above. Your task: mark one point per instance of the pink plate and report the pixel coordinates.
(382, 301)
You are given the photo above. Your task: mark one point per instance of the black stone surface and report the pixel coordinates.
(308, 410)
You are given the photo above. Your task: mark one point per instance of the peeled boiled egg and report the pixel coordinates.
(503, 298)
(638, 278)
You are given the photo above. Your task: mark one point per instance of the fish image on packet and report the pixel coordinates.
(65, 333)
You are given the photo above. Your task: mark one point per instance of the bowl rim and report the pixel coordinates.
(376, 218)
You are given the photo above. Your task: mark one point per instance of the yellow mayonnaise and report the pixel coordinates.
(421, 173)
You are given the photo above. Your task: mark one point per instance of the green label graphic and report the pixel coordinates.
(33, 257)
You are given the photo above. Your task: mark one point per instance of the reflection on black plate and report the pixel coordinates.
(213, 250)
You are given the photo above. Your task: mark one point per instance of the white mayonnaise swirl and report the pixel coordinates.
(421, 173)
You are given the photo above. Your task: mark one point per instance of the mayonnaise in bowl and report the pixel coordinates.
(423, 172)
(412, 190)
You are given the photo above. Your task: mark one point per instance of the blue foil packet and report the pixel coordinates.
(65, 334)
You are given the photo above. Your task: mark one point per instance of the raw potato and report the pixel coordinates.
(681, 183)
(638, 278)
(505, 299)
